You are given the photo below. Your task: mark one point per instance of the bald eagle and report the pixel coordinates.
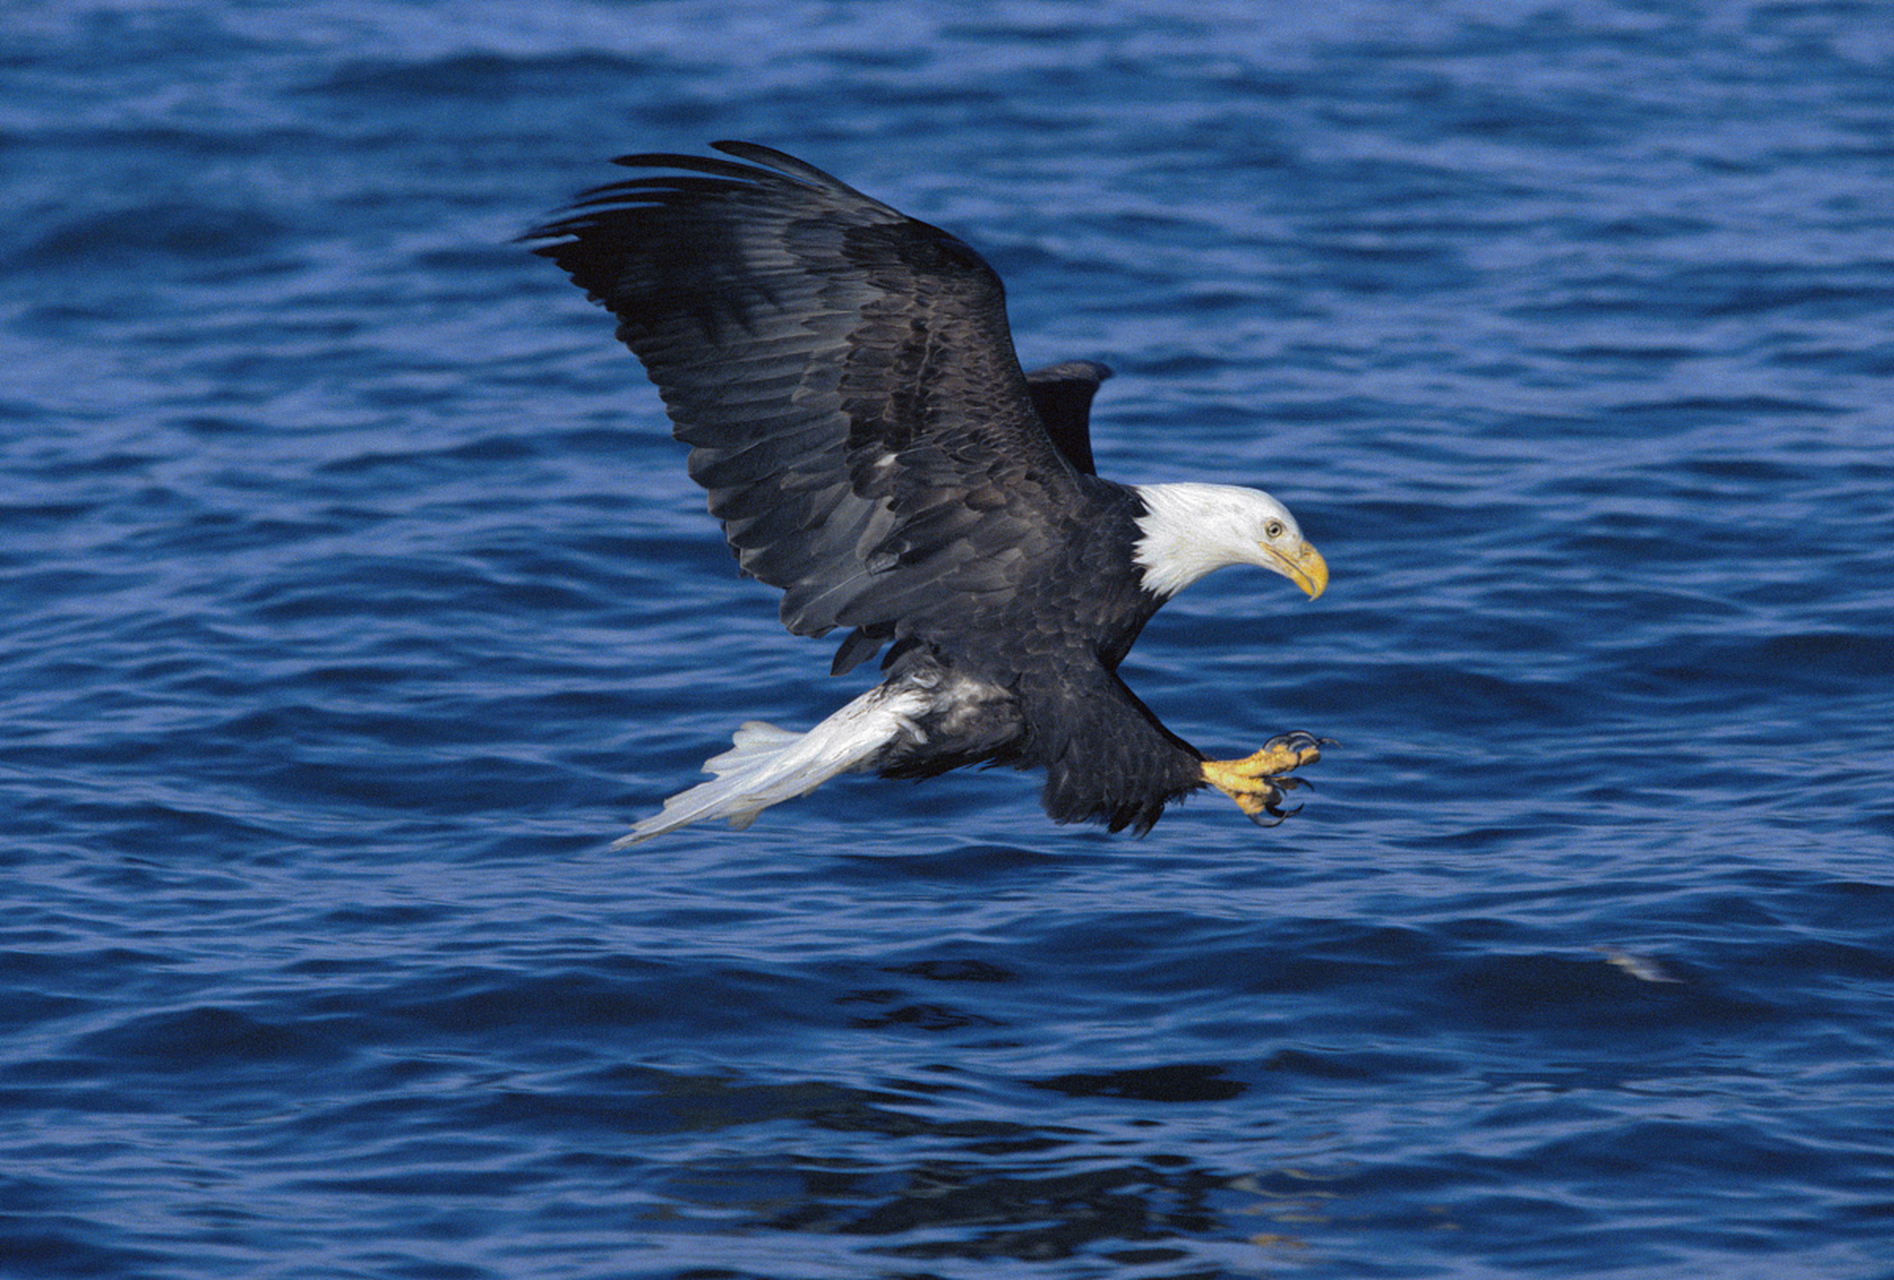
(847, 383)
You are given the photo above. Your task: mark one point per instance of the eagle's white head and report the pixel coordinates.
(1190, 529)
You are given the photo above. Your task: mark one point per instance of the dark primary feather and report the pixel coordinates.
(845, 377)
(1063, 395)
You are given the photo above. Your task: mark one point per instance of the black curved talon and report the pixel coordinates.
(1273, 816)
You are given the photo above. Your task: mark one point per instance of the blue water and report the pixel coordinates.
(352, 598)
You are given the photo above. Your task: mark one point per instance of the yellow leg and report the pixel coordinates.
(1257, 782)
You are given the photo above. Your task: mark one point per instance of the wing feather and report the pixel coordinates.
(846, 378)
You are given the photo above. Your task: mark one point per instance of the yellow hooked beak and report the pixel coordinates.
(1305, 568)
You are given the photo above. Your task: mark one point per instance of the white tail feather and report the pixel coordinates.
(766, 765)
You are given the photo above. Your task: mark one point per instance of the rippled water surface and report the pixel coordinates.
(352, 598)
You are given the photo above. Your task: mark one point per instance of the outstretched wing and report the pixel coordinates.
(845, 377)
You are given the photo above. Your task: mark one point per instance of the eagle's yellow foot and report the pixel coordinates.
(1257, 782)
